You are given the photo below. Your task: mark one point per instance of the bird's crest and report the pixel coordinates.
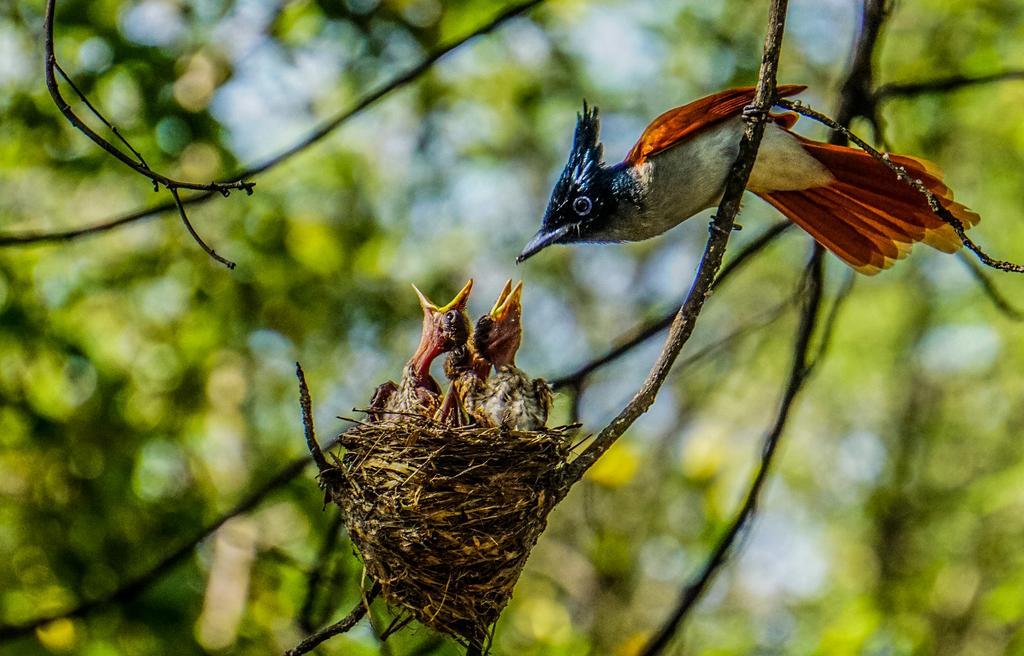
(587, 151)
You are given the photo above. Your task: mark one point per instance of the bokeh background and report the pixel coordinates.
(144, 389)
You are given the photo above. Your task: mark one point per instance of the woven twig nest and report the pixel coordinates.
(445, 518)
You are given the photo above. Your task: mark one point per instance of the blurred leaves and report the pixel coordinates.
(143, 390)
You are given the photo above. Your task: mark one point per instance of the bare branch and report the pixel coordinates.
(342, 626)
(858, 98)
(641, 334)
(988, 287)
(315, 136)
(47, 237)
(721, 226)
(855, 100)
(832, 318)
(307, 421)
(942, 85)
(99, 115)
(799, 370)
(195, 235)
(140, 166)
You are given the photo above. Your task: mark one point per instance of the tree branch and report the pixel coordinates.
(799, 370)
(942, 85)
(721, 226)
(342, 626)
(195, 235)
(988, 287)
(315, 136)
(99, 115)
(48, 237)
(856, 99)
(307, 422)
(139, 166)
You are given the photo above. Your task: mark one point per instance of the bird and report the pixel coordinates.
(848, 201)
(466, 372)
(508, 398)
(445, 328)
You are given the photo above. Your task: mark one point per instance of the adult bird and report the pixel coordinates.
(445, 328)
(509, 398)
(849, 202)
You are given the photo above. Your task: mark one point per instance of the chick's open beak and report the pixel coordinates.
(433, 339)
(500, 331)
(509, 304)
(460, 300)
(457, 303)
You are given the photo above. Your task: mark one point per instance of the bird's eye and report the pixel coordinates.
(582, 205)
(450, 317)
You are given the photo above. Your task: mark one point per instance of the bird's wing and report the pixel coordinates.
(676, 124)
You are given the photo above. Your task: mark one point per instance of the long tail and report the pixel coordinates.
(867, 216)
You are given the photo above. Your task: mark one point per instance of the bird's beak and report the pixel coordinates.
(458, 303)
(500, 341)
(509, 303)
(460, 300)
(502, 295)
(542, 240)
(432, 339)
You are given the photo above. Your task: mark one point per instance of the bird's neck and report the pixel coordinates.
(417, 368)
(629, 184)
(481, 368)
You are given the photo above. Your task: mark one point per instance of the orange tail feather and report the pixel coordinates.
(867, 216)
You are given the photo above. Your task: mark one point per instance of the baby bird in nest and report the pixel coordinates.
(509, 398)
(445, 328)
(467, 372)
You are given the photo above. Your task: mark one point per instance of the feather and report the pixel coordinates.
(679, 123)
(867, 216)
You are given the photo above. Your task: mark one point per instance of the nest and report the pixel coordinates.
(445, 518)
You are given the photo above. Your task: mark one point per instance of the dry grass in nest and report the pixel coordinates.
(445, 518)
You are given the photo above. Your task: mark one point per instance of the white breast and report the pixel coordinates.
(690, 176)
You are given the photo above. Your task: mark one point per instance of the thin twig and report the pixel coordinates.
(391, 85)
(99, 115)
(307, 422)
(942, 85)
(721, 226)
(988, 287)
(856, 95)
(342, 626)
(315, 136)
(139, 167)
(799, 370)
(832, 319)
(933, 201)
(29, 237)
(855, 100)
(195, 235)
(638, 336)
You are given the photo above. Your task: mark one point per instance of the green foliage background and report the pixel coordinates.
(144, 389)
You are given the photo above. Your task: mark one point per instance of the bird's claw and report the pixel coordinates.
(713, 227)
(753, 114)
